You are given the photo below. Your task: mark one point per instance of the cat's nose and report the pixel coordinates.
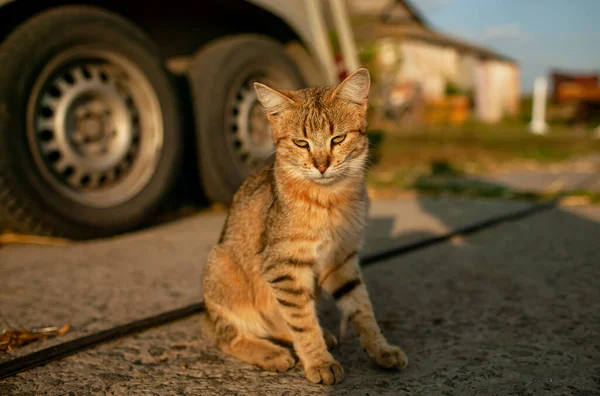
(322, 168)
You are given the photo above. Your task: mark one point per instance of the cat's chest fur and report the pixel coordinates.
(335, 230)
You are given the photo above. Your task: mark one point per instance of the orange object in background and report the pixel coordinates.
(450, 110)
(575, 87)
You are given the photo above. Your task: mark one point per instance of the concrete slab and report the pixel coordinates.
(575, 174)
(524, 180)
(102, 284)
(511, 310)
(395, 222)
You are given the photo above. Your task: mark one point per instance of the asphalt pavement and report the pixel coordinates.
(512, 309)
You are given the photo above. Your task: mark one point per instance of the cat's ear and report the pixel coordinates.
(354, 88)
(272, 100)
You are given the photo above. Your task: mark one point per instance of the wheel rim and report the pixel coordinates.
(94, 127)
(249, 129)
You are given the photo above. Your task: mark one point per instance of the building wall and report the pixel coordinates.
(497, 90)
(495, 84)
(433, 66)
(465, 76)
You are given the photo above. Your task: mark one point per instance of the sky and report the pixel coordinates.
(539, 34)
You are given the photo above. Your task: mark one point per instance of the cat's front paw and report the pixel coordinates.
(282, 360)
(389, 357)
(326, 373)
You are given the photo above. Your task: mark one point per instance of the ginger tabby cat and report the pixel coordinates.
(295, 228)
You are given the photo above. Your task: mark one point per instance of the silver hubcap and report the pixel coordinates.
(95, 127)
(251, 131)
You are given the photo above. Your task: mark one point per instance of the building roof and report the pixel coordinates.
(401, 19)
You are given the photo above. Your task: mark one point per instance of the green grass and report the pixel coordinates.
(477, 146)
(430, 185)
(445, 160)
(443, 178)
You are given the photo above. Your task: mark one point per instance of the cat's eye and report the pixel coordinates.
(338, 139)
(301, 143)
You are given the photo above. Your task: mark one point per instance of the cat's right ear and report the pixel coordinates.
(355, 87)
(272, 100)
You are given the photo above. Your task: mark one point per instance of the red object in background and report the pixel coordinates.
(575, 87)
(341, 68)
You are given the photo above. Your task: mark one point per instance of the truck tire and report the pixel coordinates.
(234, 135)
(90, 134)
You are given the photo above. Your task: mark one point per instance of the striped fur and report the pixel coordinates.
(294, 230)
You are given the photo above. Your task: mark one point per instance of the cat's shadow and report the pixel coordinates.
(381, 235)
(387, 290)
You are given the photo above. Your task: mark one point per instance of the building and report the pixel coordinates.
(409, 48)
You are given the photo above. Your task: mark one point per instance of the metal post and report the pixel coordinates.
(318, 27)
(538, 124)
(345, 34)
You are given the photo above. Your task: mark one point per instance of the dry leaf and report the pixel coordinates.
(10, 339)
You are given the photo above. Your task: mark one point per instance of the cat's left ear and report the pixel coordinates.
(272, 100)
(354, 88)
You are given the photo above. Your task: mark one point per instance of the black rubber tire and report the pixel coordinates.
(212, 73)
(28, 203)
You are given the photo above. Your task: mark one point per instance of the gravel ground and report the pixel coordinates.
(512, 310)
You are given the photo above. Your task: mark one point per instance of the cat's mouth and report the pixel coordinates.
(325, 179)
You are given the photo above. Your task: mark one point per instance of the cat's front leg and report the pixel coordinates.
(344, 282)
(292, 282)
